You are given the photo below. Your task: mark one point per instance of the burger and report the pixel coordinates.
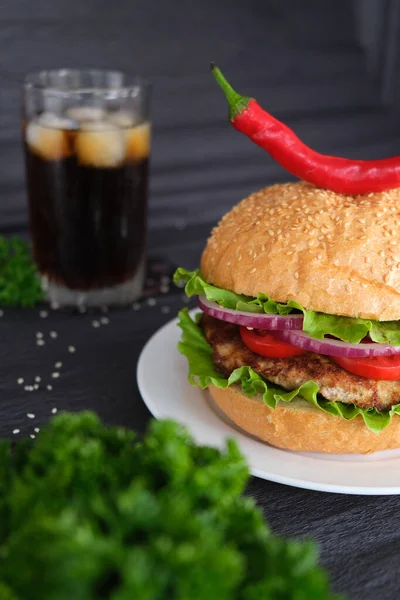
(298, 338)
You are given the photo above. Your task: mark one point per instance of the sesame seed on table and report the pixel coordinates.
(75, 360)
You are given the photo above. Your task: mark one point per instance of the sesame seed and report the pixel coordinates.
(38, 379)
(71, 349)
(40, 342)
(28, 388)
(165, 310)
(296, 275)
(58, 365)
(104, 320)
(55, 305)
(36, 386)
(30, 415)
(36, 430)
(20, 380)
(39, 334)
(43, 314)
(49, 387)
(32, 435)
(164, 289)
(55, 375)
(16, 431)
(53, 334)
(1, 313)
(386, 277)
(151, 301)
(82, 309)
(95, 324)
(253, 270)
(348, 287)
(54, 410)
(135, 306)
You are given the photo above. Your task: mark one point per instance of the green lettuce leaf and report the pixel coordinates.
(202, 372)
(316, 324)
(195, 285)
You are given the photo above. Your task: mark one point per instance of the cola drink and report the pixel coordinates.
(87, 182)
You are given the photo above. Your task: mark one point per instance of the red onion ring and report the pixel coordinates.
(331, 347)
(248, 319)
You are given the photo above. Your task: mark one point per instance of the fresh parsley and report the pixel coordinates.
(19, 280)
(90, 512)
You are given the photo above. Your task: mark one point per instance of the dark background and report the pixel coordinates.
(329, 69)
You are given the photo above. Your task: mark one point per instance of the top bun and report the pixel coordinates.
(331, 253)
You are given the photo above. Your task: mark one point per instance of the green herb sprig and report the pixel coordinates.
(91, 512)
(19, 280)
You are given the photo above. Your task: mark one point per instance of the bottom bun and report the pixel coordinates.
(300, 426)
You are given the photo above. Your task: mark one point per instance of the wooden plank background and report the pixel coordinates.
(302, 60)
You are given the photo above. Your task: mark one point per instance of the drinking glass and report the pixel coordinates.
(86, 139)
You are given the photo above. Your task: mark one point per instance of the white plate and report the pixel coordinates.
(162, 380)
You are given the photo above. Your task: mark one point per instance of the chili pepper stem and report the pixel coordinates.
(237, 103)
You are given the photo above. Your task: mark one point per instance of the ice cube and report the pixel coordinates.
(53, 121)
(100, 144)
(137, 142)
(85, 113)
(122, 118)
(49, 143)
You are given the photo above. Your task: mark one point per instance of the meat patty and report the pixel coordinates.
(335, 384)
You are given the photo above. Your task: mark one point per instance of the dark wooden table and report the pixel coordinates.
(359, 536)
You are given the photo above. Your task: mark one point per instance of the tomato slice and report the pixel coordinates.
(374, 367)
(268, 344)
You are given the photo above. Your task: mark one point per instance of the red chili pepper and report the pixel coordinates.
(341, 175)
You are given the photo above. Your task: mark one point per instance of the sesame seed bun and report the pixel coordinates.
(331, 253)
(302, 427)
